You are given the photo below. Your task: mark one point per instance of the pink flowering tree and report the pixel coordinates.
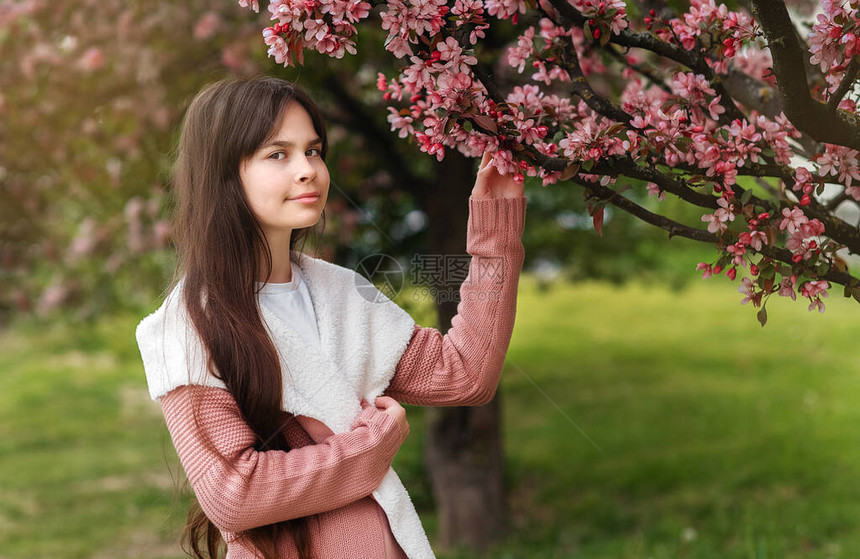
(735, 114)
(90, 93)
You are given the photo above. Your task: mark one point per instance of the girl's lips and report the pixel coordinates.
(306, 198)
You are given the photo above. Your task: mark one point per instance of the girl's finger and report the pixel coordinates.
(486, 161)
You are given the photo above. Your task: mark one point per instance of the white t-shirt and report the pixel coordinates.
(292, 303)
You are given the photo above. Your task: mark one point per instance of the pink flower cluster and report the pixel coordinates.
(834, 38)
(611, 14)
(441, 104)
(804, 241)
(717, 221)
(326, 26)
(843, 163)
(730, 29)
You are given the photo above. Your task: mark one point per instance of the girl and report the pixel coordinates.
(279, 380)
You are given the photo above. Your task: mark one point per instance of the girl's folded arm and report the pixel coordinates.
(462, 367)
(280, 485)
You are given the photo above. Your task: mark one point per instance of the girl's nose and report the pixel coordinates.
(307, 173)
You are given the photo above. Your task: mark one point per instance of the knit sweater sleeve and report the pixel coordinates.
(279, 485)
(462, 368)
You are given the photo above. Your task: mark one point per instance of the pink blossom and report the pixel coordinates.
(715, 109)
(691, 87)
(812, 228)
(841, 161)
(277, 47)
(755, 239)
(792, 219)
(504, 9)
(815, 291)
(92, 59)
(755, 63)
(828, 44)
(503, 160)
(597, 9)
(786, 288)
(207, 26)
(518, 56)
(815, 288)
(747, 287)
(654, 190)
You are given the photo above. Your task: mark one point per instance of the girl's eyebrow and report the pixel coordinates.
(287, 143)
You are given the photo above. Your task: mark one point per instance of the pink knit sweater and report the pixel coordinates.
(331, 481)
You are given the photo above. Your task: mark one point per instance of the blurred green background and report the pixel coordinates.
(705, 435)
(646, 413)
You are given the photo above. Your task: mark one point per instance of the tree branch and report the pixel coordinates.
(583, 89)
(847, 83)
(383, 141)
(647, 73)
(805, 113)
(674, 228)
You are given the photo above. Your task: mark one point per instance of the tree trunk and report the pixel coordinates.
(464, 447)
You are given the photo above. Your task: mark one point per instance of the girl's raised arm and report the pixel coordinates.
(281, 484)
(462, 368)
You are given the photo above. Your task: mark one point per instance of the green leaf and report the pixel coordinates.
(683, 143)
(569, 171)
(852, 292)
(614, 129)
(597, 220)
(745, 197)
(762, 316)
(604, 37)
(588, 164)
(486, 123)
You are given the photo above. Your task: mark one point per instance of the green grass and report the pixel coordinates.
(705, 435)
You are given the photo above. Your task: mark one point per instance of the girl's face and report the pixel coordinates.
(286, 181)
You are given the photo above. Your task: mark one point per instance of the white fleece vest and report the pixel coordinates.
(363, 334)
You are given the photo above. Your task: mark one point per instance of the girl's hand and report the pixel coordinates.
(390, 406)
(491, 184)
(317, 430)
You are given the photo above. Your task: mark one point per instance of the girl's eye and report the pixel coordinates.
(279, 155)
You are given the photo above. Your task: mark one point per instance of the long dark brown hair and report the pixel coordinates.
(221, 248)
